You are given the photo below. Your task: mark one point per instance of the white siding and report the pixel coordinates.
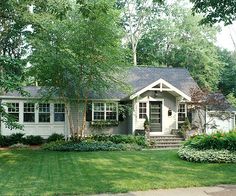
(34, 128)
(168, 103)
(219, 124)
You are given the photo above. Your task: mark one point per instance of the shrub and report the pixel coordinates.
(217, 141)
(19, 146)
(211, 155)
(55, 137)
(16, 138)
(33, 140)
(117, 139)
(89, 145)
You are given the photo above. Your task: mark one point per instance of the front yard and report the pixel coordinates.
(42, 172)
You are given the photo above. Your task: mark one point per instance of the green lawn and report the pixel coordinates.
(41, 172)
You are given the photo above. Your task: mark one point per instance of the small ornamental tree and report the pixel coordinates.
(202, 102)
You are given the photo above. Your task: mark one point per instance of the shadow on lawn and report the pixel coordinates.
(98, 172)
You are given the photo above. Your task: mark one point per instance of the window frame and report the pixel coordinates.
(9, 106)
(139, 113)
(34, 112)
(105, 111)
(61, 112)
(185, 112)
(42, 112)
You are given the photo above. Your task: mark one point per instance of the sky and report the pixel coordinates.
(224, 39)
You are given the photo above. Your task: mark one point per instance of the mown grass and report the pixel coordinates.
(35, 172)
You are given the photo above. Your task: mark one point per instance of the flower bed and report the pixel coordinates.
(211, 156)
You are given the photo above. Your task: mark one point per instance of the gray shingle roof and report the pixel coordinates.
(138, 78)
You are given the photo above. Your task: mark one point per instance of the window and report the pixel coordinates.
(59, 112)
(29, 115)
(142, 110)
(13, 110)
(181, 113)
(44, 112)
(99, 111)
(105, 111)
(111, 111)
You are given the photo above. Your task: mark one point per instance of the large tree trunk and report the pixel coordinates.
(82, 129)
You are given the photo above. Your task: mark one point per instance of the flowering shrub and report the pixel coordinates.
(211, 156)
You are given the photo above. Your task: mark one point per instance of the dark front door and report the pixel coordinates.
(155, 116)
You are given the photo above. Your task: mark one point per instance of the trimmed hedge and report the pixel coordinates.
(211, 155)
(16, 138)
(117, 139)
(89, 145)
(218, 141)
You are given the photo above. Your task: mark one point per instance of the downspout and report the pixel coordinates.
(205, 126)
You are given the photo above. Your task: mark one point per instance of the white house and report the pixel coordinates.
(161, 94)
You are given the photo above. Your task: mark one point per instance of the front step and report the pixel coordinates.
(166, 141)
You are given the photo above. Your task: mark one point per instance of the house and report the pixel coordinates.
(160, 94)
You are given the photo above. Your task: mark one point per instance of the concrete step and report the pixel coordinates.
(166, 141)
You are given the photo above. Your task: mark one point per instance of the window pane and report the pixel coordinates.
(44, 117)
(13, 110)
(142, 110)
(59, 117)
(98, 115)
(59, 112)
(44, 107)
(29, 117)
(111, 115)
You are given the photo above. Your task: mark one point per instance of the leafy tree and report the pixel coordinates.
(13, 29)
(227, 82)
(137, 16)
(177, 40)
(78, 53)
(216, 10)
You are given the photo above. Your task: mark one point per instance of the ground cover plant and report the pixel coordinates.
(37, 172)
(217, 148)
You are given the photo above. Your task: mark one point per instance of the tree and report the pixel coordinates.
(78, 53)
(137, 16)
(177, 40)
(216, 11)
(13, 47)
(227, 83)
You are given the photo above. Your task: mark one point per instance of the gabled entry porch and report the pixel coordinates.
(159, 103)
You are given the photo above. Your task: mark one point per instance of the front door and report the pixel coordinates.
(155, 116)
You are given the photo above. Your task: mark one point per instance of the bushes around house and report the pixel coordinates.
(89, 145)
(215, 148)
(216, 141)
(99, 143)
(18, 138)
(55, 137)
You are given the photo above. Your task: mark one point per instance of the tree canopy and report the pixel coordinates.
(216, 10)
(177, 40)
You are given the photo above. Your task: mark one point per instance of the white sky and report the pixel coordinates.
(224, 39)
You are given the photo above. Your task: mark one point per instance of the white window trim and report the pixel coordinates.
(185, 112)
(19, 112)
(53, 112)
(147, 106)
(105, 105)
(35, 108)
